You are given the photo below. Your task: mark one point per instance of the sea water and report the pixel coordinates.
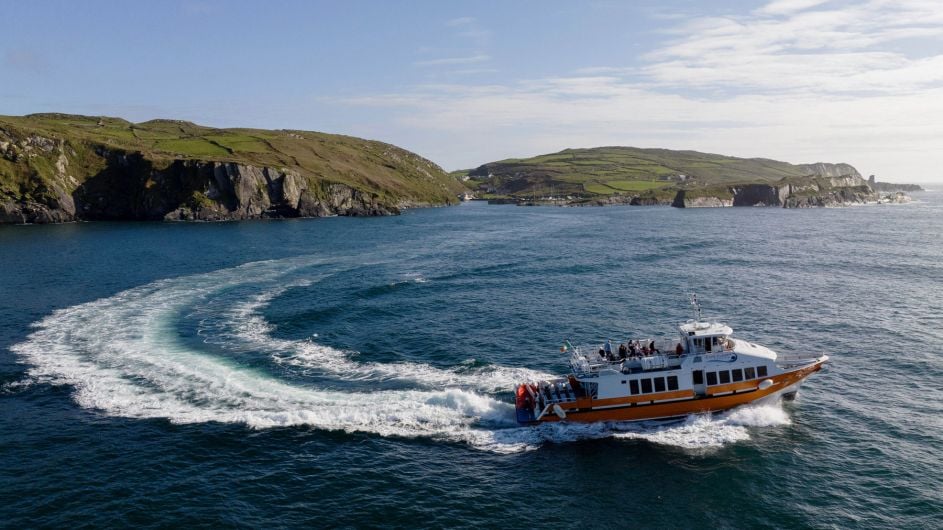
(360, 371)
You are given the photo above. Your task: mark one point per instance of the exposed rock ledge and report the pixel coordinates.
(196, 190)
(810, 192)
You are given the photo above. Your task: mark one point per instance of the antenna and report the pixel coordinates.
(697, 307)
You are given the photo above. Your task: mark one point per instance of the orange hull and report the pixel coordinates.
(684, 402)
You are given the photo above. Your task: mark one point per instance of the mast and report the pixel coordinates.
(697, 307)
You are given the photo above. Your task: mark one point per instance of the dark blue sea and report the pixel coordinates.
(358, 372)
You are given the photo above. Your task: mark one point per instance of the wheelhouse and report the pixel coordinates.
(705, 337)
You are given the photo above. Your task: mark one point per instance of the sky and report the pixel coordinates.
(464, 83)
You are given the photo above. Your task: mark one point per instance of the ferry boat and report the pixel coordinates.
(707, 370)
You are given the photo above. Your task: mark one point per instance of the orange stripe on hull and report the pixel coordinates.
(734, 387)
(646, 411)
(643, 398)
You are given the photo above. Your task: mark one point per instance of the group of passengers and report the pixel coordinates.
(631, 350)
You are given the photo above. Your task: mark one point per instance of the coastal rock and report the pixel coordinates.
(822, 169)
(897, 197)
(11, 213)
(805, 192)
(237, 191)
(683, 199)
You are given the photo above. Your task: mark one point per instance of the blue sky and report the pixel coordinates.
(464, 83)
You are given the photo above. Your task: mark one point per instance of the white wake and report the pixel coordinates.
(124, 357)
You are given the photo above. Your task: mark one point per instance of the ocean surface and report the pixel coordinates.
(358, 372)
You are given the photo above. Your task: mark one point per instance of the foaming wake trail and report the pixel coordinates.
(244, 325)
(124, 357)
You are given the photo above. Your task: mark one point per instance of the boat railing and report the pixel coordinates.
(796, 359)
(586, 360)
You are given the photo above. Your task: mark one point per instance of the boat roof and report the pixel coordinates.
(699, 329)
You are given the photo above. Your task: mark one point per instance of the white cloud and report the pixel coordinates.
(813, 83)
(782, 7)
(827, 50)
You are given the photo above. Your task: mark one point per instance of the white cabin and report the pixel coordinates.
(705, 337)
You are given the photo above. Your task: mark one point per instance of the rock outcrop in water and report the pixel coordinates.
(57, 168)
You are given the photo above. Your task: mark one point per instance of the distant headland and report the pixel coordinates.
(685, 179)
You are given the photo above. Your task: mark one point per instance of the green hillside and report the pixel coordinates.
(605, 171)
(44, 152)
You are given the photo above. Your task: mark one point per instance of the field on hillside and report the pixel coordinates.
(627, 170)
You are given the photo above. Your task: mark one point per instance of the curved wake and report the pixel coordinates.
(125, 358)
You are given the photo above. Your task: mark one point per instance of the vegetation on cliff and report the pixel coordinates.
(57, 167)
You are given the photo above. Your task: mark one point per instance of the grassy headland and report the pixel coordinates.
(50, 156)
(652, 173)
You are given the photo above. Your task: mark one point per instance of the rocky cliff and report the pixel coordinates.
(56, 168)
(819, 190)
(828, 170)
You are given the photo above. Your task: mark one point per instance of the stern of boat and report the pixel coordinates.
(524, 405)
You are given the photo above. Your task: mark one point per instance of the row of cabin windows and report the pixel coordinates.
(656, 384)
(709, 344)
(726, 376)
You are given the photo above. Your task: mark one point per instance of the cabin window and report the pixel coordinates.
(749, 373)
(659, 384)
(761, 371)
(711, 378)
(697, 359)
(646, 386)
(707, 345)
(673, 382)
(633, 386)
(736, 375)
(698, 376)
(724, 377)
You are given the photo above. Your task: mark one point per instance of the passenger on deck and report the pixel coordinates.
(645, 351)
(679, 349)
(602, 353)
(608, 349)
(623, 351)
(652, 348)
(632, 351)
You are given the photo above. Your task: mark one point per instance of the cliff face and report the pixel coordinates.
(806, 192)
(213, 191)
(822, 191)
(822, 169)
(54, 176)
